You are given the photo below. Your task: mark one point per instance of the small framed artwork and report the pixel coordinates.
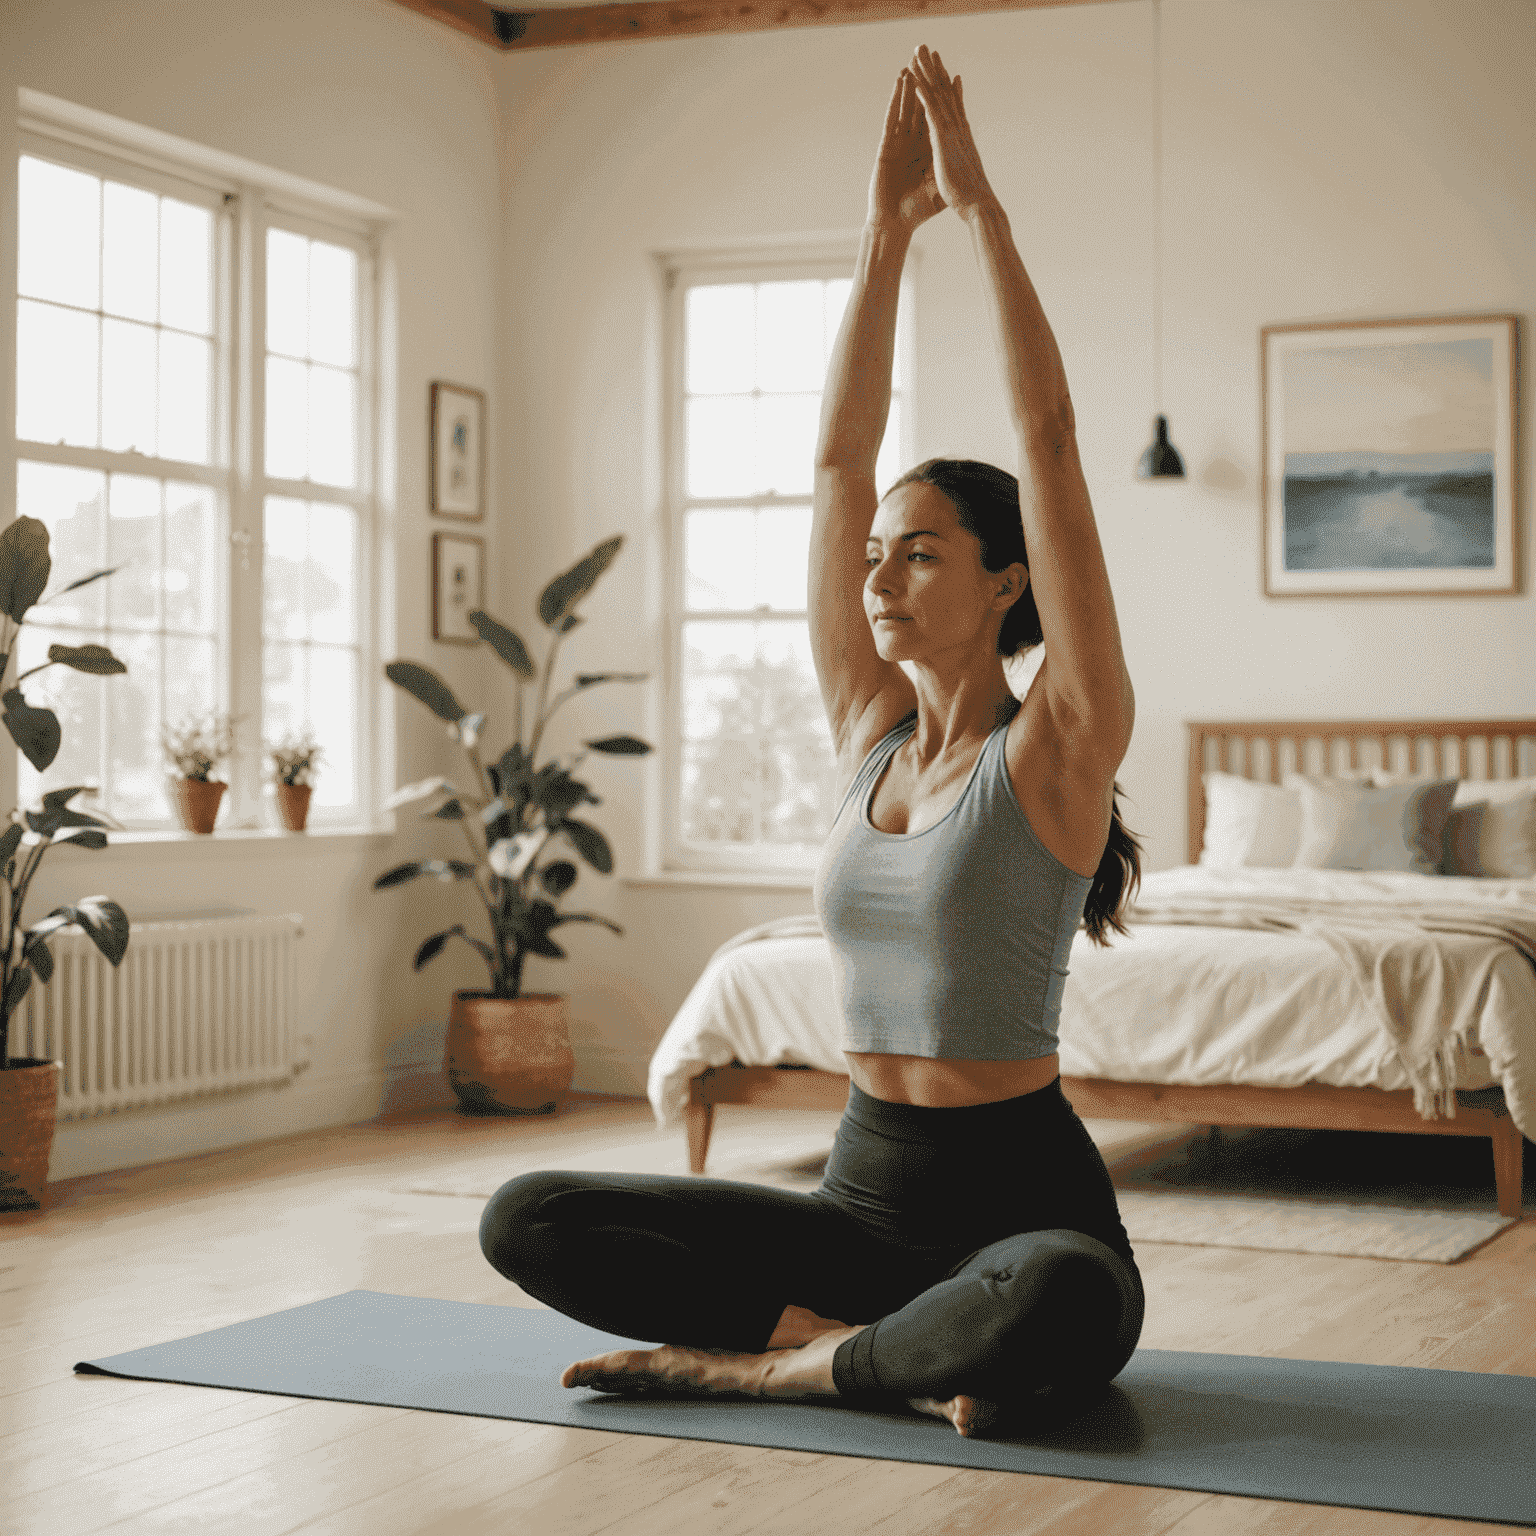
(458, 586)
(1389, 458)
(457, 439)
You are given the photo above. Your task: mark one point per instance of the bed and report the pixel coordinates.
(1201, 1019)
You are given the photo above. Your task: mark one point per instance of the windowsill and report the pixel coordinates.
(232, 842)
(717, 879)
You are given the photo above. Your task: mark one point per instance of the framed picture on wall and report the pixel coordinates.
(457, 438)
(458, 586)
(1389, 464)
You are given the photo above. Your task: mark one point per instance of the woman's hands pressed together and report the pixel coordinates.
(902, 191)
(956, 161)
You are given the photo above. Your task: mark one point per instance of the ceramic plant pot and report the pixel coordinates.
(29, 1097)
(197, 802)
(293, 805)
(509, 1055)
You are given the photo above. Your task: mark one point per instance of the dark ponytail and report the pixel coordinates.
(986, 500)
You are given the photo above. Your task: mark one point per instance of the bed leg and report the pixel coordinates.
(1508, 1158)
(701, 1121)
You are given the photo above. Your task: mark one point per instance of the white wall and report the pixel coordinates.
(1324, 160)
(368, 98)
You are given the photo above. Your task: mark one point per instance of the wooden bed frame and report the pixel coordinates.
(1254, 749)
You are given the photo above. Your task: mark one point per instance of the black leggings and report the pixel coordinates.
(981, 1246)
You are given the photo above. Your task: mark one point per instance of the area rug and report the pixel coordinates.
(1426, 1442)
(1358, 1194)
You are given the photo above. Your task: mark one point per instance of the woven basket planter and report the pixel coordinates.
(29, 1097)
(509, 1055)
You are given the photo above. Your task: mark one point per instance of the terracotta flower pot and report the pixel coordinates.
(509, 1055)
(293, 805)
(29, 1096)
(197, 802)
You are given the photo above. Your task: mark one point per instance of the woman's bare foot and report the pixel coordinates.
(969, 1415)
(805, 1372)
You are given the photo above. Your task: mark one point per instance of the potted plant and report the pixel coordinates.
(195, 748)
(509, 1052)
(29, 1085)
(293, 766)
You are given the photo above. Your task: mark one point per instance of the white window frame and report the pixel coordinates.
(244, 208)
(679, 271)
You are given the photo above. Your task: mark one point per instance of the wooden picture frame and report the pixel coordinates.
(458, 586)
(456, 452)
(1390, 458)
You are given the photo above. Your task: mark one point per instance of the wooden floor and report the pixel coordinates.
(122, 1260)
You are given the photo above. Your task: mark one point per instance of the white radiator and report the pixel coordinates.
(197, 1006)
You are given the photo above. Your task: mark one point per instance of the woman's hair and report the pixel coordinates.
(986, 501)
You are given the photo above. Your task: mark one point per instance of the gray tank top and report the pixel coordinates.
(951, 942)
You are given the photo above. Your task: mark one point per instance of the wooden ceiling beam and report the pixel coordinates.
(557, 26)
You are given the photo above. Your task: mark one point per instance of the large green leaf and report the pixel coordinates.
(555, 792)
(424, 684)
(24, 565)
(587, 917)
(15, 990)
(96, 659)
(37, 954)
(592, 679)
(441, 869)
(568, 588)
(620, 746)
(10, 841)
(36, 731)
(431, 949)
(85, 581)
(48, 821)
(84, 837)
(590, 844)
(105, 924)
(507, 643)
(559, 877)
(58, 797)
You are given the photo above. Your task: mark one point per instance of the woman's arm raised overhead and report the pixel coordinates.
(864, 696)
(1086, 683)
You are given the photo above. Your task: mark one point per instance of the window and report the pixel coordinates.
(193, 409)
(750, 768)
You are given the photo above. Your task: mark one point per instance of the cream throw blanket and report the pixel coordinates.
(1423, 968)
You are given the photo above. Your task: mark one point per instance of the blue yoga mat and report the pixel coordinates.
(1451, 1443)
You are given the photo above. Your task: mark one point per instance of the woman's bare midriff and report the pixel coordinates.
(947, 1084)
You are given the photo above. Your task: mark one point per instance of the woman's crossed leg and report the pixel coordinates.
(749, 1287)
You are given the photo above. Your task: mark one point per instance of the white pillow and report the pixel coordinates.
(1249, 822)
(1350, 825)
(1491, 830)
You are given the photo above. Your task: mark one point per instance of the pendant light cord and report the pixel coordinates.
(1157, 204)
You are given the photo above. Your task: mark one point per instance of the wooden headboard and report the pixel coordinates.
(1266, 749)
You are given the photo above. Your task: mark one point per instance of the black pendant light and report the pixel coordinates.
(1161, 461)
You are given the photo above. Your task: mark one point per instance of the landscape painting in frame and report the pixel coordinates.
(1389, 458)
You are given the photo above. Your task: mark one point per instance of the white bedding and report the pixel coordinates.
(1165, 1004)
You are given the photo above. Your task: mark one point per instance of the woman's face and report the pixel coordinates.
(926, 591)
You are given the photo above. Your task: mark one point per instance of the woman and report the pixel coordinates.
(964, 1207)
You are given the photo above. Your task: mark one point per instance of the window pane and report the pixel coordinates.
(888, 465)
(720, 542)
(186, 266)
(135, 763)
(330, 574)
(287, 292)
(333, 694)
(720, 446)
(70, 502)
(332, 427)
(783, 555)
(56, 375)
(128, 386)
(130, 251)
(59, 250)
(719, 319)
(186, 397)
(786, 443)
(133, 545)
(836, 302)
(789, 341)
(193, 579)
(287, 418)
(333, 304)
(285, 536)
(758, 764)
(191, 689)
